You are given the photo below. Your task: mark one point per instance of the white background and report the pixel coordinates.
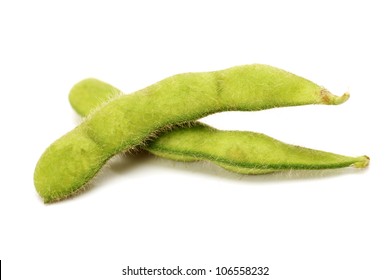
(151, 212)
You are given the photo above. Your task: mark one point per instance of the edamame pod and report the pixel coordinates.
(238, 151)
(126, 122)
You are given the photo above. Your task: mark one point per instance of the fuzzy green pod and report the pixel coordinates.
(238, 151)
(126, 122)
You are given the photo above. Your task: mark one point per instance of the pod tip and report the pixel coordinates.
(362, 162)
(341, 99)
(331, 99)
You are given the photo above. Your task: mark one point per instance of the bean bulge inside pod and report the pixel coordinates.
(126, 122)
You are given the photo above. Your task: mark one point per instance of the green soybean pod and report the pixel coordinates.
(238, 151)
(126, 122)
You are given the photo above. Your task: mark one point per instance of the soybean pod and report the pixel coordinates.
(129, 120)
(237, 151)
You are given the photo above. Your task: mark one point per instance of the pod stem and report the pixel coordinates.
(362, 162)
(331, 99)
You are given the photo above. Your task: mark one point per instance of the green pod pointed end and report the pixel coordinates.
(362, 162)
(331, 99)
